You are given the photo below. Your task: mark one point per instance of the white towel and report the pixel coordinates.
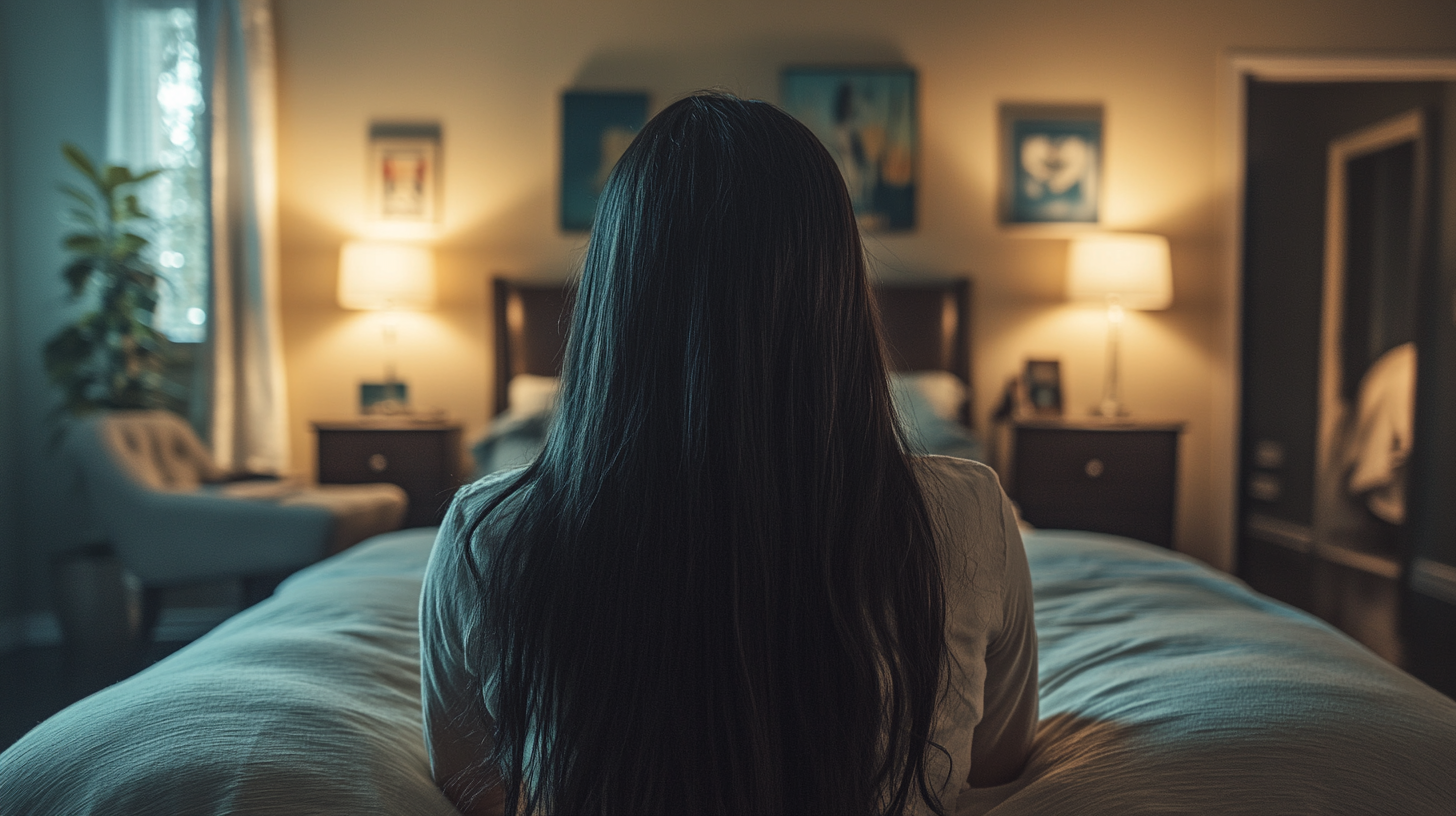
(1385, 417)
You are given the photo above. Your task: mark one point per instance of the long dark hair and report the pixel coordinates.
(716, 590)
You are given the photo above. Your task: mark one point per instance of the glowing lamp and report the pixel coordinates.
(386, 277)
(381, 276)
(1120, 271)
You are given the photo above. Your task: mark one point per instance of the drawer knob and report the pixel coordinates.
(1093, 468)
(378, 462)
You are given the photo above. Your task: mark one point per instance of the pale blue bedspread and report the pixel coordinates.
(1166, 688)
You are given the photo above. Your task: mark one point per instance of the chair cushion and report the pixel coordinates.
(360, 511)
(158, 449)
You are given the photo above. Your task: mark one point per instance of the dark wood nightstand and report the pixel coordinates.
(421, 457)
(1105, 476)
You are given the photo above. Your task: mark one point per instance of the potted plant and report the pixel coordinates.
(112, 357)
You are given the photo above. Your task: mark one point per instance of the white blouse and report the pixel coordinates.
(985, 721)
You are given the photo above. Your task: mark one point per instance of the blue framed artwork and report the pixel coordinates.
(867, 118)
(1051, 164)
(596, 127)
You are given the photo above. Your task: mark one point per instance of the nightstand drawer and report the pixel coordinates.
(424, 461)
(1119, 479)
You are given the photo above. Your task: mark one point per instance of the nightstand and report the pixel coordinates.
(421, 457)
(1105, 476)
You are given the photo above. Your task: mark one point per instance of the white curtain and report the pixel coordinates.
(248, 400)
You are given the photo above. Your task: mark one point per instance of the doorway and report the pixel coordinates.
(1307, 349)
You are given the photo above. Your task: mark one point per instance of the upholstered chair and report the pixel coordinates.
(174, 518)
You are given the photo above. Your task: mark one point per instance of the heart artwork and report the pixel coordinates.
(1055, 163)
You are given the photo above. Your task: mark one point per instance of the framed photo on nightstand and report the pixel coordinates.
(1043, 383)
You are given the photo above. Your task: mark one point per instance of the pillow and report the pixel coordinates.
(942, 392)
(928, 404)
(528, 394)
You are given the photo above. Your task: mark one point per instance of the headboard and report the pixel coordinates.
(927, 327)
(531, 321)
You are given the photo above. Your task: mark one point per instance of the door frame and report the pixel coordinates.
(1231, 168)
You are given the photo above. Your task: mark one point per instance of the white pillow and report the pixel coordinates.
(529, 394)
(943, 391)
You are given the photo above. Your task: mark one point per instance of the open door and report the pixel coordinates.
(1375, 227)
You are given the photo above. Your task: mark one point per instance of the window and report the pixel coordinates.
(156, 109)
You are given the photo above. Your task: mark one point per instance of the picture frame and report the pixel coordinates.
(868, 118)
(1051, 164)
(596, 128)
(383, 398)
(404, 172)
(1042, 381)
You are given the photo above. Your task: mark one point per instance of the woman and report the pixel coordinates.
(724, 587)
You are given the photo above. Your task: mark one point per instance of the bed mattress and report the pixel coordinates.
(1166, 687)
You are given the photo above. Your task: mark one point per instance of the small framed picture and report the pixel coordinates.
(1043, 383)
(377, 398)
(404, 172)
(596, 128)
(1051, 164)
(867, 118)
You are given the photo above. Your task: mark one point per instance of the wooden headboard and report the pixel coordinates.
(927, 327)
(531, 321)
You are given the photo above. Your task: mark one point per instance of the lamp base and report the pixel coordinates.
(1110, 408)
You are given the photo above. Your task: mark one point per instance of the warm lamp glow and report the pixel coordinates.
(1122, 271)
(376, 275)
(1131, 271)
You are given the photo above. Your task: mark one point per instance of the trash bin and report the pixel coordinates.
(98, 604)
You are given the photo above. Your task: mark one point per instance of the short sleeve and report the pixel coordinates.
(457, 726)
(1004, 736)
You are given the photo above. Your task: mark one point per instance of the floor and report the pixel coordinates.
(36, 682)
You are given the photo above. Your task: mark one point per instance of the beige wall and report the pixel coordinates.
(491, 73)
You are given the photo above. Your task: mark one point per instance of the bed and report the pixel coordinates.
(1166, 687)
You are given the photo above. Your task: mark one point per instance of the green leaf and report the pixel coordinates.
(128, 243)
(79, 160)
(78, 274)
(80, 195)
(83, 243)
(84, 218)
(155, 171)
(132, 209)
(115, 177)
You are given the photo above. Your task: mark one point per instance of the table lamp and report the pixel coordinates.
(1123, 271)
(389, 278)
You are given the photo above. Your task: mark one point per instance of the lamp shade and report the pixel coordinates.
(379, 275)
(1132, 270)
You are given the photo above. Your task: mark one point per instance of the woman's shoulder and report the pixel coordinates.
(966, 504)
(482, 490)
(470, 502)
(950, 478)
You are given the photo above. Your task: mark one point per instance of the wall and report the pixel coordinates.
(54, 77)
(10, 552)
(491, 74)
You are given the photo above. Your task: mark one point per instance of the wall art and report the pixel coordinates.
(867, 118)
(404, 172)
(596, 127)
(1051, 164)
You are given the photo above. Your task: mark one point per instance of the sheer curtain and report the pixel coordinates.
(248, 398)
(193, 90)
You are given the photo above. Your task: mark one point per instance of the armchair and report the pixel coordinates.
(173, 519)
